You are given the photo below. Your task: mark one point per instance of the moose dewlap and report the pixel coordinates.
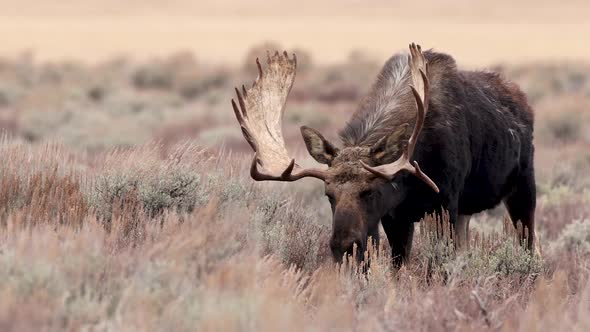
(427, 138)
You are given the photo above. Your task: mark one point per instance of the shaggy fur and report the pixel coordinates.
(476, 144)
(385, 108)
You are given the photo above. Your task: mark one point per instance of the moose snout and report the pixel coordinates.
(348, 233)
(346, 246)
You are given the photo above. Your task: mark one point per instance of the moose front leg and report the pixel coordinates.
(374, 235)
(400, 235)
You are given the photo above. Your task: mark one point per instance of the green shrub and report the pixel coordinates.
(491, 254)
(511, 258)
(153, 76)
(291, 232)
(575, 237)
(567, 127)
(435, 250)
(177, 190)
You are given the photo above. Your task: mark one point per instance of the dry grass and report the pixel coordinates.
(84, 245)
(107, 232)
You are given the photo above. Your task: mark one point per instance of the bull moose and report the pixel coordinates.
(427, 138)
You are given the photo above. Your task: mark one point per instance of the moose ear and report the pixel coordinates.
(318, 147)
(389, 148)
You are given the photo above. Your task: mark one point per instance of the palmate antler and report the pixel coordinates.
(260, 114)
(420, 88)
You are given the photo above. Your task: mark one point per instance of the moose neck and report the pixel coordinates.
(388, 105)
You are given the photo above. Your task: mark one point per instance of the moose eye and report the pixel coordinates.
(366, 194)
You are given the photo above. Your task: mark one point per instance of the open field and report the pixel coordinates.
(141, 240)
(175, 235)
(125, 198)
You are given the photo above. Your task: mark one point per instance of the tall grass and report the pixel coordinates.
(103, 234)
(143, 239)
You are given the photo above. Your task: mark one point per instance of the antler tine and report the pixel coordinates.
(259, 68)
(424, 177)
(422, 108)
(259, 111)
(237, 112)
(420, 90)
(240, 116)
(287, 175)
(241, 102)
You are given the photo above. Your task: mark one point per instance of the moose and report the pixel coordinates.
(427, 138)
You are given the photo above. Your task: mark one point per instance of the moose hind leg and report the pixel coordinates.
(461, 230)
(521, 207)
(400, 235)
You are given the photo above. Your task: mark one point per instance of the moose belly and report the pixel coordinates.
(488, 185)
(477, 198)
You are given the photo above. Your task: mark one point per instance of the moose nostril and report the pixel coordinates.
(351, 248)
(339, 248)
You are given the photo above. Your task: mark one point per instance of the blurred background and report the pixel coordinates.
(101, 74)
(477, 32)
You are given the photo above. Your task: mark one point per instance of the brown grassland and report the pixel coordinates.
(103, 231)
(126, 204)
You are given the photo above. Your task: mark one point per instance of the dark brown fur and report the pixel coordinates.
(476, 144)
